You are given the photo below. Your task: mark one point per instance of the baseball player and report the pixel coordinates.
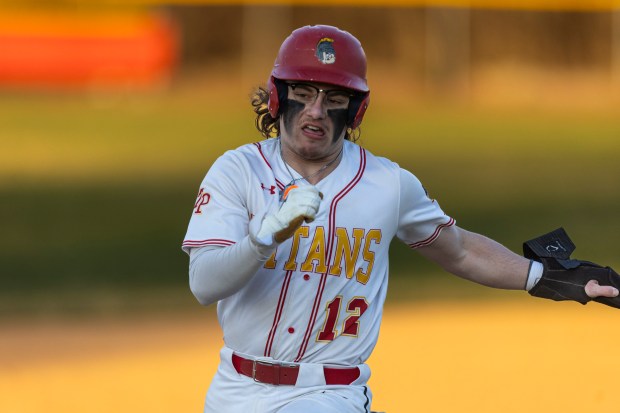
(290, 237)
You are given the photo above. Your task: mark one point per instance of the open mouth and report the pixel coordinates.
(313, 130)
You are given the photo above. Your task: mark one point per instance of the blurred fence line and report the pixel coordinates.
(440, 48)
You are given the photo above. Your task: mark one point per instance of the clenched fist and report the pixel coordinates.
(300, 204)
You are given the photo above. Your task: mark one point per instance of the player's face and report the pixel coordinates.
(315, 120)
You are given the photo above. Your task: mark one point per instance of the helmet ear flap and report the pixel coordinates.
(274, 103)
(278, 92)
(357, 108)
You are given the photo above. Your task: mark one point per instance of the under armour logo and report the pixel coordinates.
(555, 247)
(271, 189)
(202, 199)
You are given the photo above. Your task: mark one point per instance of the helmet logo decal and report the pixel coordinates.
(325, 51)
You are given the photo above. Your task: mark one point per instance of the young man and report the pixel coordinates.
(290, 237)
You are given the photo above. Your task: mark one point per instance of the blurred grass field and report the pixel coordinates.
(96, 189)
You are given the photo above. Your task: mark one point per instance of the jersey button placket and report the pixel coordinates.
(306, 277)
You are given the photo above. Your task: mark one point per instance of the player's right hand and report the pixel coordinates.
(301, 204)
(594, 289)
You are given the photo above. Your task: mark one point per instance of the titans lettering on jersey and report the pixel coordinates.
(323, 289)
(347, 253)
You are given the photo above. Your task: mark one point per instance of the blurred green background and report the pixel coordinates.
(510, 118)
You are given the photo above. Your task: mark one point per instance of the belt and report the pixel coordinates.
(277, 373)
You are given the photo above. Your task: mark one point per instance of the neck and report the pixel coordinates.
(312, 170)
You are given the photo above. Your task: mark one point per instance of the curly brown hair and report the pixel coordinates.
(269, 127)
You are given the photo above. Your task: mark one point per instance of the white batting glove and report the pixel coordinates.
(300, 204)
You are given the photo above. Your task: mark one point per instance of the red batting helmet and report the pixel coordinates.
(322, 54)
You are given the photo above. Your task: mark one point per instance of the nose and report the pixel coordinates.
(317, 109)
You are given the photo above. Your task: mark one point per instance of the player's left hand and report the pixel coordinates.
(594, 289)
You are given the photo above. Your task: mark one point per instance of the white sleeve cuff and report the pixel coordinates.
(535, 273)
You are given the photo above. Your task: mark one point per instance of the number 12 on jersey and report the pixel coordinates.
(350, 326)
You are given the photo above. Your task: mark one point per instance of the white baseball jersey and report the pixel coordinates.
(319, 298)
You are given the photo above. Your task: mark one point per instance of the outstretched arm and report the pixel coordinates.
(477, 258)
(480, 259)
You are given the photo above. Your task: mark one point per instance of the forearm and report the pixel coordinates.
(489, 263)
(479, 259)
(218, 272)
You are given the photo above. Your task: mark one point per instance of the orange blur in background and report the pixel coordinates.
(61, 49)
